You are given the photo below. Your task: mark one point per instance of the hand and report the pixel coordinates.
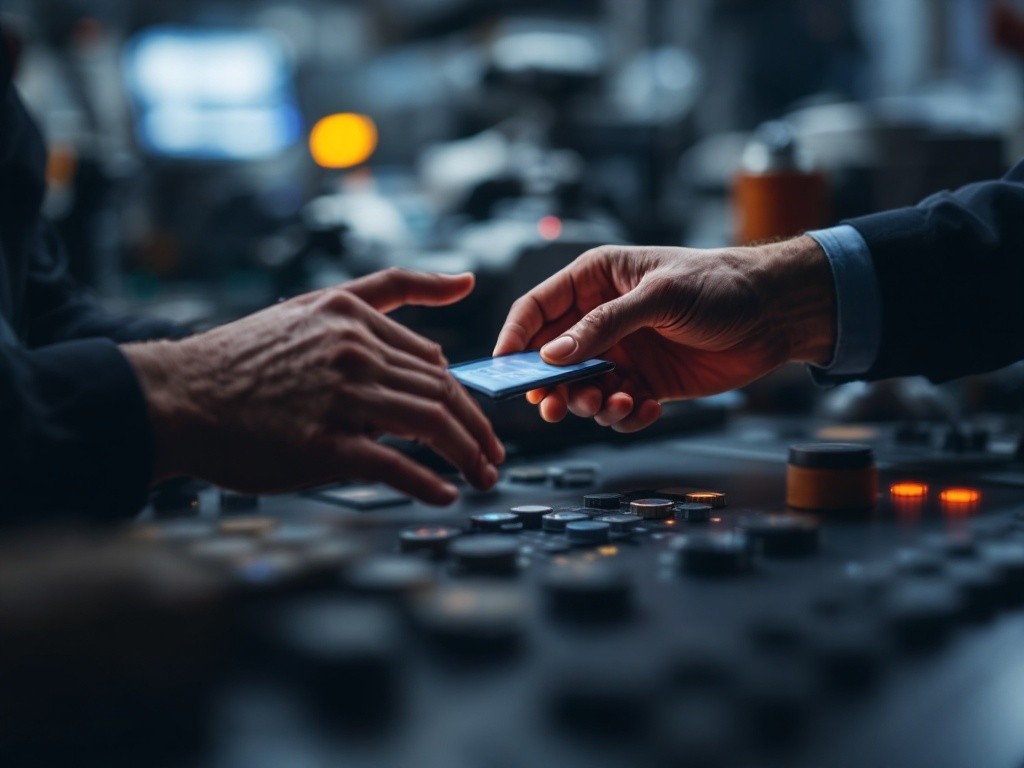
(677, 322)
(296, 395)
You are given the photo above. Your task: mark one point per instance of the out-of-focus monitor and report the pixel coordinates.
(211, 94)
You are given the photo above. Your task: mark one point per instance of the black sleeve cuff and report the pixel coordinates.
(90, 449)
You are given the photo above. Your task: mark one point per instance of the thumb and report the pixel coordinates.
(598, 331)
(391, 288)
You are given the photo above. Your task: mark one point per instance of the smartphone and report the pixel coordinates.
(510, 375)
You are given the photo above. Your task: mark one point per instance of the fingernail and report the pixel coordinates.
(561, 347)
(451, 491)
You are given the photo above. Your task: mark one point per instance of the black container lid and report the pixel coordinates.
(831, 455)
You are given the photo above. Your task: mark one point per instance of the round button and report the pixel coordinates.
(555, 522)
(783, 535)
(530, 515)
(715, 499)
(574, 475)
(486, 554)
(496, 522)
(586, 591)
(621, 525)
(432, 540)
(651, 509)
(606, 501)
(693, 513)
(588, 532)
(717, 554)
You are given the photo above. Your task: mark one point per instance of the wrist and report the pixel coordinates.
(162, 371)
(801, 298)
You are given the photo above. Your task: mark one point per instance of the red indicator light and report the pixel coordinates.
(549, 227)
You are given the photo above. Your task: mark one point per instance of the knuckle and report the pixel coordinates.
(339, 300)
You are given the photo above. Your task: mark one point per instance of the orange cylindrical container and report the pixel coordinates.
(831, 477)
(777, 191)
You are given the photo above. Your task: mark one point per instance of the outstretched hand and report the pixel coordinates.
(296, 395)
(677, 322)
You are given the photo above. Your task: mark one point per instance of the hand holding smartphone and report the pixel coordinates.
(510, 375)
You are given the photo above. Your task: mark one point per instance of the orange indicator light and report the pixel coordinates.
(908, 490)
(960, 496)
(343, 140)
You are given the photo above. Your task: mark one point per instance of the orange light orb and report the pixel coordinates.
(908, 490)
(960, 496)
(343, 140)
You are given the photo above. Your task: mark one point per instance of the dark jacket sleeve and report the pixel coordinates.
(58, 309)
(951, 275)
(75, 432)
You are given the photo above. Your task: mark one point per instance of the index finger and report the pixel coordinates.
(535, 309)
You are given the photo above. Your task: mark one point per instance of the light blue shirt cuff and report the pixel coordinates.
(858, 304)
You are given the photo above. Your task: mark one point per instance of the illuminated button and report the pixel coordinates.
(908, 490)
(713, 554)
(496, 522)
(620, 525)
(555, 522)
(432, 540)
(230, 500)
(651, 509)
(588, 532)
(476, 619)
(711, 498)
(588, 591)
(783, 535)
(527, 475)
(486, 554)
(247, 525)
(530, 515)
(960, 496)
(391, 576)
(693, 513)
(606, 501)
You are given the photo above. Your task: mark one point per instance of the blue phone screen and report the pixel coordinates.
(516, 372)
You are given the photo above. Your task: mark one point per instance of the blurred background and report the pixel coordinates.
(209, 157)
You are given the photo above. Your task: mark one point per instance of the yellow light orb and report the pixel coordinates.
(343, 140)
